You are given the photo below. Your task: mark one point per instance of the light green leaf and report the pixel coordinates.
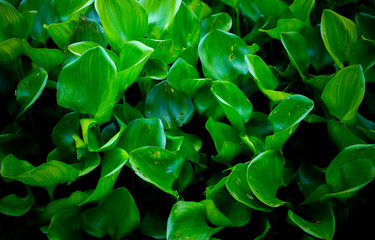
(143, 132)
(158, 166)
(30, 88)
(222, 56)
(89, 30)
(61, 32)
(65, 224)
(10, 52)
(265, 176)
(301, 9)
(261, 72)
(117, 28)
(214, 215)
(339, 34)
(168, 104)
(96, 91)
(155, 69)
(344, 93)
(190, 146)
(233, 101)
(220, 21)
(111, 217)
(285, 118)
(160, 15)
(13, 205)
(284, 25)
(239, 188)
(295, 45)
(71, 10)
(163, 49)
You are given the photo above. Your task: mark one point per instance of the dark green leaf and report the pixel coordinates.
(44, 57)
(65, 224)
(13, 205)
(66, 128)
(366, 22)
(61, 32)
(341, 135)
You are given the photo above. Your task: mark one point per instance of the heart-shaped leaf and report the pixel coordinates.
(111, 217)
(158, 166)
(96, 89)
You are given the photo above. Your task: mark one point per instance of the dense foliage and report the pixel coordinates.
(187, 119)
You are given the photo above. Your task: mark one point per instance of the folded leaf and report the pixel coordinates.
(71, 10)
(65, 224)
(13, 205)
(220, 21)
(61, 32)
(284, 25)
(261, 72)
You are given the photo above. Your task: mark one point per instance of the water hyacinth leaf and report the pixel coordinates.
(46, 15)
(261, 72)
(69, 10)
(158, 166)
(309, 178)
(185, 29)
(168, 104)
(12, 205)
(44, 57)
(318, 54)
(155, 69)
(112, 164)
(110, 217)
(365, 23)
(226, 140)
(233, 101)
(179, 72)
(362, 52)
(188, 220)
(344, 93)
(222, 56)
(119, 30)
(271, 8)
(285, 25)
(301, 9)
(190, 55)
(96, 91)
(133, 57)
(351, 169)
(89, 30)
(65, 224)
(220, 21)
(239, 188)
(163, 49)
(285, 118)
(322, 223)
(186, 176)
(295, 45)
(154, 224)
(339, 34)
(61, 32)
(206, 104)
(160, 15)
(65, 129)
(143, 132)
(30, 88)
(341, 135)
(10, 52)
(214, 215)
(190, 146)
(125, 113)
(265, 176)
(238, 213)
(47, 175)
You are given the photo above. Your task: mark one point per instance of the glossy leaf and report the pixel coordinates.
(214, 215)
(261, 72)
(362, 53)
(157, 166)
(284, 25)
(365, 23)
(141, 133)
(221, 21)
(125, 113)
(344, 93)
(44, 57)
(163, 49)
(69, 10)
(96, 91)
(89, 30)
(61, 32)
(318, 54)
(301, 9)
(118, 29)
(168, 104)
(265, 176)
(285, 118)
(239, 188)
(13, 205)
(295, 45)
(79, 48)
(65, 224)
(339, 34)
(233, 101)
(10, 52)
(222, 56)
(111, 217)
(30, 88)
(341, 135)
(206, 103)
(190, 146)
(65, 129)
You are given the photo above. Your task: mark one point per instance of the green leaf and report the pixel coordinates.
(190, 146)
(265, 176)
(69, 10)
(160, 15)
(133, 57)
(365, 23)
(155, 69)
(344, 93)
(233, 101)
(112, 164)
(285, 118)
(154, 224)
(350, 170)
(125, 113)
(47, 175)
(61, 32)
(79, 48)
(65, 129)
(284, 25)
(163, 49)
(339, 34)
(65, 224)
(111, 217)
(89, 30)
(10, 52)
(309, 178)
(226, 140)
(158, 166)
(168, 104)
(295, 45)
(362, 52)
(188, 220)
(222, 56)
(239, 188)
(318, 54)
(96, 91)
(221, 21)
(261, 72)
(143, 132)
(30, 88)
(322, 224)
(341, 135)
(206, 103)
(118, 29)
(13, 205)
(214, 215)
(266, 8)
(46, 15)
(301, 9)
